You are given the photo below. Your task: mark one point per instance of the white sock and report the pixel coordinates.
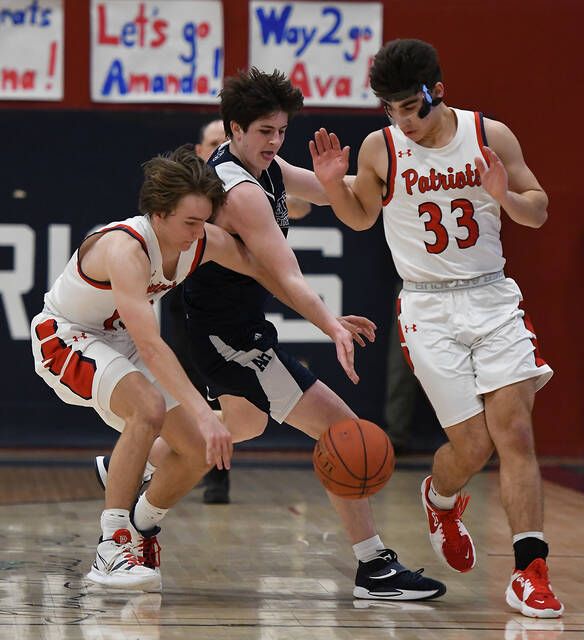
(367, 549)
(146, 515)
(112, 520)
(528, 534)
(442, 502)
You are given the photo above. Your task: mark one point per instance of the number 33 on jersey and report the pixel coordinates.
(439, 222)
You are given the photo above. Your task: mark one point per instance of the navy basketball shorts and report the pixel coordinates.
(249, 363)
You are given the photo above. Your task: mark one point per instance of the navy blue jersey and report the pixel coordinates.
(218, 298)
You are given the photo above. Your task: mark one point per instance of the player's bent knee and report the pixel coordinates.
(480, 457)
(242, 431)
(148, 415)
(475, 455)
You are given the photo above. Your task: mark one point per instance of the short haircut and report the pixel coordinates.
(401, 67)
(171, 176)
(254, 94)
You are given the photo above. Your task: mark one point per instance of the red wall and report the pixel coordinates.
(520, 62)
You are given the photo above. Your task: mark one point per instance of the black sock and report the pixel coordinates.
(527, 550)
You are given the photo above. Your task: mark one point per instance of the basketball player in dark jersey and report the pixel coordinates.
(235, 349)
(216, 482)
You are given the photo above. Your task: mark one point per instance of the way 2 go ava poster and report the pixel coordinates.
(324, 48)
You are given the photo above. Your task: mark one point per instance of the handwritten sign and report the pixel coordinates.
(31, 50)
(324, 48)
(156, 51)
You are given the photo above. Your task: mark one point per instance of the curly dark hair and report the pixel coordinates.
(254, 94)
(173, 175)
(401, 67)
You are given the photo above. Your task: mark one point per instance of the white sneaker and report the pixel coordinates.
(118, 567)
(101, 467)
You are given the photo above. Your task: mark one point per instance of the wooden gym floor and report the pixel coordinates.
(273, 565)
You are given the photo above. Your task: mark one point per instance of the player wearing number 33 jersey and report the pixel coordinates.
(442, 176)
(443, 229)
(461, 327)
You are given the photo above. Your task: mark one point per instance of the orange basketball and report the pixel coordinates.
(353, 458)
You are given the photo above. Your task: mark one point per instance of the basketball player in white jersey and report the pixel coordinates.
(97, 344)
(441, 176)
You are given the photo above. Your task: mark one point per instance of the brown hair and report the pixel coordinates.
(401, 67)
(171, 176)
(254, 94)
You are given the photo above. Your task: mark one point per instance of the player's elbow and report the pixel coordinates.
(361, 224)
(541, 219)
(540, 215)
(535, 220)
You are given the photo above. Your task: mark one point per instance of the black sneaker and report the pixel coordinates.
(384, 578)
(216, 486)
(101, 467)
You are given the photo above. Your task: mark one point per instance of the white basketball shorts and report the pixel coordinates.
(83, 366)
(464, 343)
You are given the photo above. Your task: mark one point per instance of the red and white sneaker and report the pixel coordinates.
(449, 537)
(530, 592)
(117, 566)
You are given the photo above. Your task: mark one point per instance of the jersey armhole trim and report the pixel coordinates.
(391, 162)
(481, 134)
(106, 284)
(201, 244)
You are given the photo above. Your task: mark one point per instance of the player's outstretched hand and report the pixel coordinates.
(359, 326)
(330, 162)
(218, 440)
(343, 340)
(494, 177)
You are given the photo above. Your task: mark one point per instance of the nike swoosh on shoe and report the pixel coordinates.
(376, 576)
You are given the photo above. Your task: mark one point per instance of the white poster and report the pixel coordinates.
(31, 49)
(324, 48)
(156, 51)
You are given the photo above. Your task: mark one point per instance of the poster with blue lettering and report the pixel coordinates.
(156, 50)
(31, 49)
(324, 48)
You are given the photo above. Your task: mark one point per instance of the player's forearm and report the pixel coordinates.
(528, 209)
(296, 294)
(347, 207)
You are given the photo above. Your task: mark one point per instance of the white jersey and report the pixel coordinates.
(440, 224)
(91, 304)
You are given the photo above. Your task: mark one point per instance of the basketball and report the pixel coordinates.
(353, 458)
